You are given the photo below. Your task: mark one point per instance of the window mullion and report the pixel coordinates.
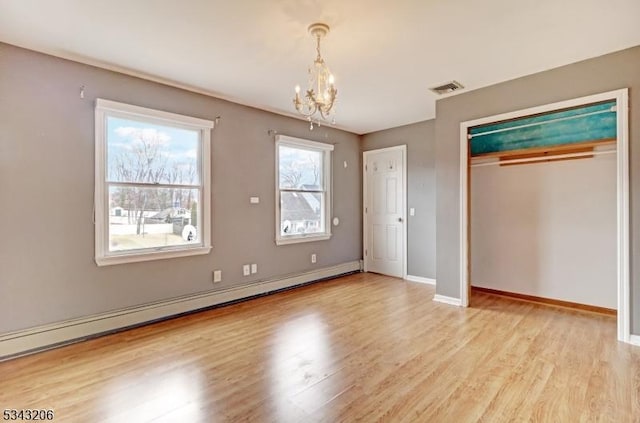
(302, 190)
(153, 185)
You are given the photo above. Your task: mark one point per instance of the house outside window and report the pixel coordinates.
(303, 194)
(152, 184)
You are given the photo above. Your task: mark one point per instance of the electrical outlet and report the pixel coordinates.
(217, 276)
(254, 268)
(314, 258)
(246, 270)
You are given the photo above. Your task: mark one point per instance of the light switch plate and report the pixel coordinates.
(217, 276)
(412, 211)
(254, 200)
(246, 270)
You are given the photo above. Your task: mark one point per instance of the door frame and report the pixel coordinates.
(365, 155)
(621, 97)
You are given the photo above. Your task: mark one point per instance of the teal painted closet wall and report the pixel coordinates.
(587, 123)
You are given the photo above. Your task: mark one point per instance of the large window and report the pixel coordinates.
(303, 180)
(152, 192)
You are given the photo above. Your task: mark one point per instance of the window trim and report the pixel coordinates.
(325, 149)
(105, 108)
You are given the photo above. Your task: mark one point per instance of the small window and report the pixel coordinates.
(303, 197)
(152, 188)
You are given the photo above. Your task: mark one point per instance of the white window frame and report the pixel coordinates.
(107, 108)
(325, 149)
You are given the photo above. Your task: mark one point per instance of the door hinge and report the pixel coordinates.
(366, 252)
(366, 168)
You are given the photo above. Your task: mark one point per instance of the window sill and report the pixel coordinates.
(149, 256)
(298, 239)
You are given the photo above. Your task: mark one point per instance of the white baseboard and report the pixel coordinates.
(420, 279)
(634, 340)
(447, 300)
(41, 337)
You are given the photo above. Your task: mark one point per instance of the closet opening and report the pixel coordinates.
(544, 205)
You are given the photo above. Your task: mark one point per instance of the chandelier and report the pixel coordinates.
(321, 92)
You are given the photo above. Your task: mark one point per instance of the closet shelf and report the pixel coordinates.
(546, 150)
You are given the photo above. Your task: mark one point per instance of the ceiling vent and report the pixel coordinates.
(447, 88)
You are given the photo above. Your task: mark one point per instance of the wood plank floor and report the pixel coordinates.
(360, 348)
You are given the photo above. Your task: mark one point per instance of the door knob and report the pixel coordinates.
(400, 219)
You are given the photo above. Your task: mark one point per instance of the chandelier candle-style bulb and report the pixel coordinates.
(321, 93)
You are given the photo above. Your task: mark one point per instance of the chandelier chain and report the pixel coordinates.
(319, 57)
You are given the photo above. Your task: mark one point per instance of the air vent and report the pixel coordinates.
(447, 88)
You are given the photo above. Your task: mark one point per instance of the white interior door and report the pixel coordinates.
(384, 211)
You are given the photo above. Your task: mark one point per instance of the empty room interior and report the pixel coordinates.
(305, 211)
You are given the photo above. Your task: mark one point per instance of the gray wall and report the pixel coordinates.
(47, 269)
(547, 229)
(419, 138)
(606, 73)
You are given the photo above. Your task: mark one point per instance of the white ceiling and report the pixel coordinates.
(384, 54)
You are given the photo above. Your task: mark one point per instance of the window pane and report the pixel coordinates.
(142, 218)
(145, 152)
(300, 168)
(301, 213)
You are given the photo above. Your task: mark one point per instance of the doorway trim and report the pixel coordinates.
(405, 243)
(621, 97)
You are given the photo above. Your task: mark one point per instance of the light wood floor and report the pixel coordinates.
(361, 348)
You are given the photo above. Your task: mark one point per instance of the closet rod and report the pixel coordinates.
(543, 158)
(495, 131)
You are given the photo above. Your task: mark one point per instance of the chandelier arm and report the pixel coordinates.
(313, 108)
(307, 115)
(325, 111)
